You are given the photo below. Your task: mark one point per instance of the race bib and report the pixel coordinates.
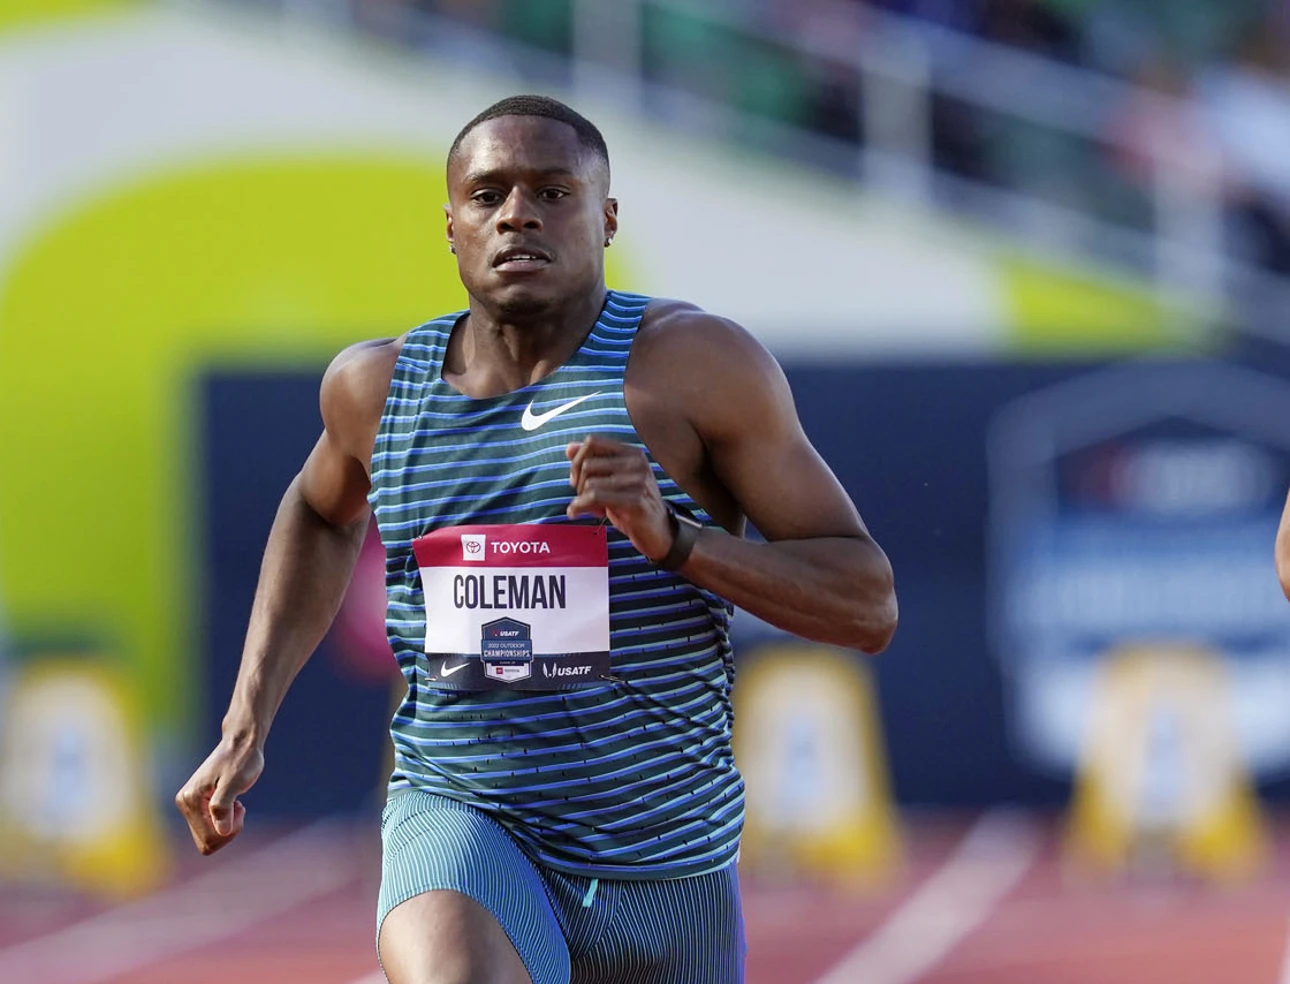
(523, 607)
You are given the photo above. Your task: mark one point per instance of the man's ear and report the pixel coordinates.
(611, 218)
(447, 214)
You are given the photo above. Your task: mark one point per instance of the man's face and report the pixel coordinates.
(528, 213)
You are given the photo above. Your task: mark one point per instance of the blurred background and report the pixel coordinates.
(1026, 264)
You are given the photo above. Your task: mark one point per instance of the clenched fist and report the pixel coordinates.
(208, 800)
(614, 481)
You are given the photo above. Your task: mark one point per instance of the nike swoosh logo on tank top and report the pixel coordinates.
(531, 421)
(626, 777)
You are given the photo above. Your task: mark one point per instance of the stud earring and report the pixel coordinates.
(452, 248)
(609, 241)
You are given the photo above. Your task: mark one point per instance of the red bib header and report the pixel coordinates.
(514, 545)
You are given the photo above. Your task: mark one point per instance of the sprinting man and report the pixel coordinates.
(561, 475)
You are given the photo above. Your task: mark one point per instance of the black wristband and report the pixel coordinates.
(685, 532)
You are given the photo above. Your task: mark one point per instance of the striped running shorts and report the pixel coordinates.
(567, 929)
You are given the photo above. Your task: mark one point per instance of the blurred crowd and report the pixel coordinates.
(1221, 130)
(1220, 134)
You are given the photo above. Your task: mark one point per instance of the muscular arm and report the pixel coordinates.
(820, 575)
(310, 556)
(307, 564)
(1282, 551)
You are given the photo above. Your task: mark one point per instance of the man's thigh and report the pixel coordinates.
(677, 931)
(459, 900)
(444, 937)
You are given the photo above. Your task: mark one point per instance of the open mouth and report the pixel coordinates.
(517, 259)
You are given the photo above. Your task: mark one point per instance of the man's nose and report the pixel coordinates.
(519, 212)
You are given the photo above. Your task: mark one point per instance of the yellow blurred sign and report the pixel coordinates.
(1161, 777)
(74, 796)
(808, 742)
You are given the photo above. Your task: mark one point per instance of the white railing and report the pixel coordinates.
(903, 64)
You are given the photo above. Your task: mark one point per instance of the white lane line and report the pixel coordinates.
(987, 864)
(234, 897)
(1285, 964)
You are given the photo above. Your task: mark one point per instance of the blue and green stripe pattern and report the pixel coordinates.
(564, 927)
(632, 780)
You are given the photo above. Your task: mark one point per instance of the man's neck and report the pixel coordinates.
(497, 352)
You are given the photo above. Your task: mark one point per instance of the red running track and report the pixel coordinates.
(303, 912)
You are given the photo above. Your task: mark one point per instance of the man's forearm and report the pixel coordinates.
(1281, 551)
(306, 569)
(837, 590)
(1283, 559)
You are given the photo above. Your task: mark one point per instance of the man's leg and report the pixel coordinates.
(678, 931)
(460, 903)
(444, 937)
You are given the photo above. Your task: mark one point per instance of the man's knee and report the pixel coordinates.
(445, 937)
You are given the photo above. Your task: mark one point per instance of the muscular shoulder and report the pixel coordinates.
(353, 393)
(709, 368)
(680, 325)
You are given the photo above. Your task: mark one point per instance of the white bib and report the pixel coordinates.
(523, 606)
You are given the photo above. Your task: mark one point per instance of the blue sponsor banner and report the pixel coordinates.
(1021, 550)
(1137, 506)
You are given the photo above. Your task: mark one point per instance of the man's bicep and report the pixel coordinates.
(788, 492)
(335, 479)
(764, 459)
(333, 483)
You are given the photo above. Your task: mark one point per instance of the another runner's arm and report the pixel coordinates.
(821, 575)
(1283, 549)
(312, 548)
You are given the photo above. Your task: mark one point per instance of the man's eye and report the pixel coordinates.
(486, 198)
(551, 194)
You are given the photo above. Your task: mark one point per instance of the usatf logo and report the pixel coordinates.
(549, 671)
(472, 547)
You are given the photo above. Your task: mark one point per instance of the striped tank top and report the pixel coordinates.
(630, 777)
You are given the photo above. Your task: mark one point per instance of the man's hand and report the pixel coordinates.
(615, 481)
(208, 800)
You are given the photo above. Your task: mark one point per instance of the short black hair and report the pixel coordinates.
(589, 138)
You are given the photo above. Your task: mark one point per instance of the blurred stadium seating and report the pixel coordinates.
(1143, 117)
